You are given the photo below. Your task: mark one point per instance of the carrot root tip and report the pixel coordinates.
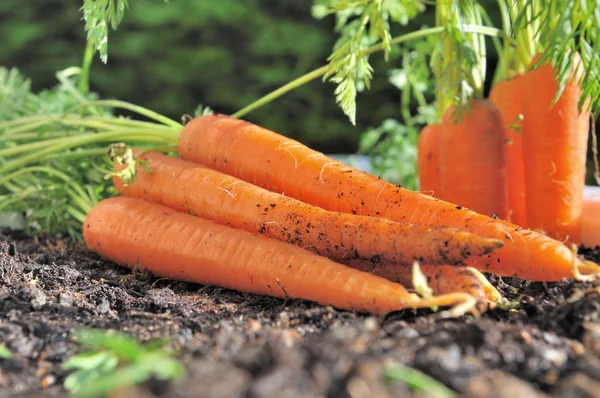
(591, 270)
(459, 303)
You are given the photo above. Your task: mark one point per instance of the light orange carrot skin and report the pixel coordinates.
(473, 159)
(188, 187)
(171, 244)
(428, 160)
(555, 146)
(280, 164)
(590, 225)
(507, 95)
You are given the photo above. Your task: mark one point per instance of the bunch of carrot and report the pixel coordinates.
(520, 154)
(249, 209)
(530, 171)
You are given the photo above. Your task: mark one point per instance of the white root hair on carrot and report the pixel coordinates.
(313, 156)
(428, 192)
(282, 148)
(330, 164)
(228, 192)
(553, 169)
(379, 194)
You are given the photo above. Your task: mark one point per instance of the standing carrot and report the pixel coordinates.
(590, 225)
(138, 233)
(472, 155)
(472, 159)
(507, 95)
(555, 140)
(207, 193)
(428, 160)
(279, 164)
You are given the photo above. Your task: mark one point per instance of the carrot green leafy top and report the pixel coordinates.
(567, 27)
(361, 23)
(98, 16)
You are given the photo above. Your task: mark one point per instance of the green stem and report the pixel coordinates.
(134, 108)
(63, 77)
(19, 121)
(73, 142)
(23, 128)
(281, 91)
(87, 152)
(123, 134)
(79, 216)
(84, 76)
(322, 71)
(41, 134)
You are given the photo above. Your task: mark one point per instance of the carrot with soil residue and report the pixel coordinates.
(141, 234)
(282, 165)
(188, 187)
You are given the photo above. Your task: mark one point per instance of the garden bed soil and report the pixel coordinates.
(242, 345)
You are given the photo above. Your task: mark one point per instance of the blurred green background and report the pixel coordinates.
(170, 57)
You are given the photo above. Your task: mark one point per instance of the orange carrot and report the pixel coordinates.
(507, 95)
(472, 159)
(188, 187)
(428, 160)
(171, 244)
(590, 224)
(554, 146)
(279, 164)
(442, 279)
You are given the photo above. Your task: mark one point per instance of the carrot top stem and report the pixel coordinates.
(322, 71)
(516, 55)
(459, 62)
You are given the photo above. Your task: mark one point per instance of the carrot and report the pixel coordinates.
(171, 244)
(507, 95)
(472, 159)
(277, 163)
(428, 159)
(188, 187)
(555, 147)
(442, 279)
(590, 224)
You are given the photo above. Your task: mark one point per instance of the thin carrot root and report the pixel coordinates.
(591, 270)
(492, 294)
(459, 303)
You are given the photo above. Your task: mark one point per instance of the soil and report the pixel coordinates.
(545, 342)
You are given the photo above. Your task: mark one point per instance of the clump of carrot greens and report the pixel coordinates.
(53, 149)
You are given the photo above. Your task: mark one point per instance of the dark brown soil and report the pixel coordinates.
(241, 345)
